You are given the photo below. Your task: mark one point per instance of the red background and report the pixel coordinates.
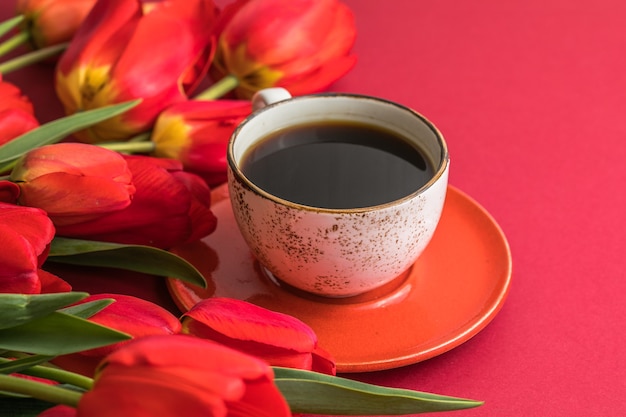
(531, 97)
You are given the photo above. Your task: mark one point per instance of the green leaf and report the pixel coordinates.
(86, 310)
(17, 309)
(18, 365)
(58, 334)
(314, 393)
(56, 130)
(138, 258)
(7, 25)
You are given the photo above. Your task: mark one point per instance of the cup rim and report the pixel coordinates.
(236, 170)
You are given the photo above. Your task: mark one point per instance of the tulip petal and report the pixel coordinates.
(13, 99)
(105, 19)
(14, 123)
(259, 400)
(50, 283)
(31, 223)
(25, 235)
(74, 158)
(245, 321)
(66, 195)
(19, 264)
(320, 79)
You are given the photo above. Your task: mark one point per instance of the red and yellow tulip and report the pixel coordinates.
(197, 132)
(126, 50)
(301, 45)
(52, 22)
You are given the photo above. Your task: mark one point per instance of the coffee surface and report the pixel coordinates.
(337, 165)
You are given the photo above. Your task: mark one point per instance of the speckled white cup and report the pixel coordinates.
(335, 252)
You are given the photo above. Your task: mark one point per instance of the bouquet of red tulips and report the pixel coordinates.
(152, 91)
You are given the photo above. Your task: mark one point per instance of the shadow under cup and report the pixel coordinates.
(337, 252)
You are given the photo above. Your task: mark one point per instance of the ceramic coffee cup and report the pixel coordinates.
(335, 252)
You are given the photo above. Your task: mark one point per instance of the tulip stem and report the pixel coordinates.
(39, 390)
(129, 147)
(56, 374)
(13, 42)
(218, 89)
(31, 58)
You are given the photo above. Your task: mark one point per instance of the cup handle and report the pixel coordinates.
(268, 96)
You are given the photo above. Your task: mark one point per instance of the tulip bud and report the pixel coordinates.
(73, 182)
(51, 22)
(128, 314)
(169, 207)
(188, 376)
(118, 55)
(277, 338)
(301, 45)
(197, 133)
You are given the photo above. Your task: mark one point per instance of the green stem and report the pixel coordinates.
(129, 147)
(31, 58)
(56, 374)
(142, 137)
(7, 25)
(13, 42)
(218, 89)
(39, 390)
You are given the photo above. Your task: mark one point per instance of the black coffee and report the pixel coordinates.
(337, 165)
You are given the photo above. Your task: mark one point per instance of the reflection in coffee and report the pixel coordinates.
(337, 165)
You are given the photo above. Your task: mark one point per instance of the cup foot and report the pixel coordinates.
(384, 291)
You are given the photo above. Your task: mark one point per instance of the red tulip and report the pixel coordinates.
(16, 112)
(277, 338)
(158, 52)
(170, 207)
(25, 236)
(164, 376)
(59, 411)
(197, 133)
(301, 45)
(128, 314)
(73, 182)
(51, 22)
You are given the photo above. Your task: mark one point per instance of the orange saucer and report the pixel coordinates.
(451, 293)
